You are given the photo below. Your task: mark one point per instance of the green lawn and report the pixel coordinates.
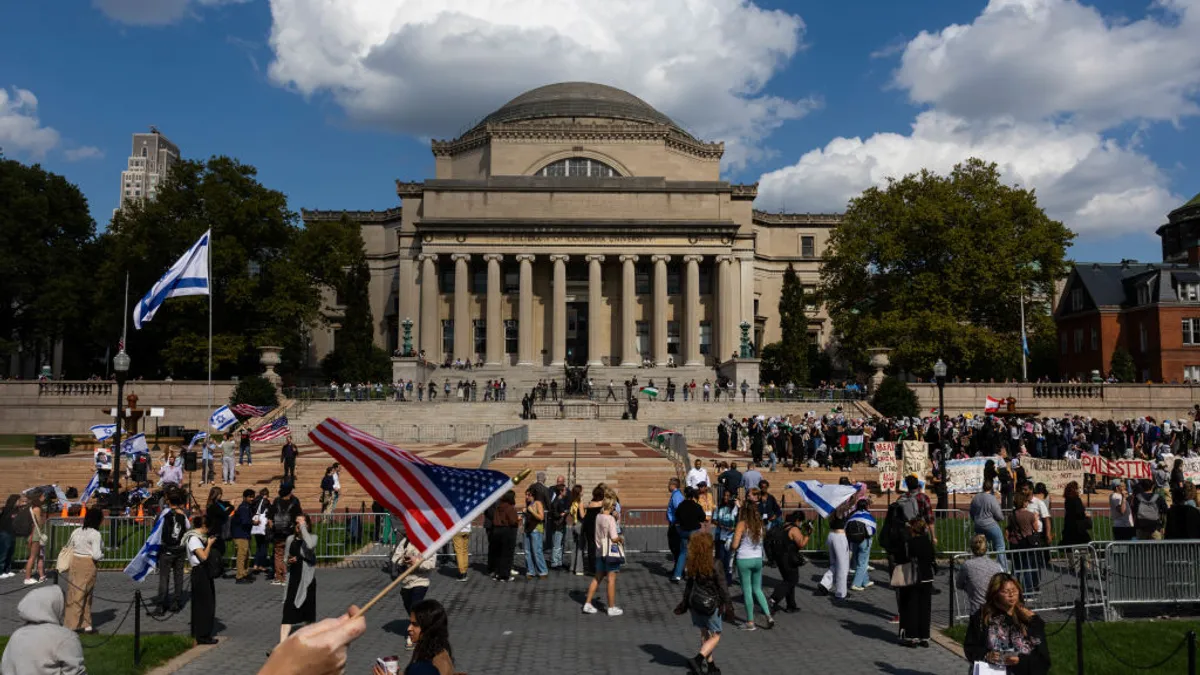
(115, 657)
(1140, 643)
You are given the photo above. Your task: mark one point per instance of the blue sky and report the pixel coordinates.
(1094, 104)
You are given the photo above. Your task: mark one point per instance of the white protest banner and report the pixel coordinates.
(1055, 473)
(1191, 467)
(885, 455)
(916, 459)
(965, 476)
(1117, 468)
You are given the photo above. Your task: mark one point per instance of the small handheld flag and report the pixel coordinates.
(247, 410)
(135, 445)
(188, 276)
(222, 418)
(147, 557)
(825, 499)
(103, 432)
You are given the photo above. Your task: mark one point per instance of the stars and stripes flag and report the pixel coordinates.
(247, 410)
(432, 500)
(269, 432)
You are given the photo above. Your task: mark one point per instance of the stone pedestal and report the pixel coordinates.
(411, 368)
(739, 370)
(879, 361)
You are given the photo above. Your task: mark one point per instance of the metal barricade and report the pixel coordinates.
(504, 441)
(1152, 572)
(1050, 577)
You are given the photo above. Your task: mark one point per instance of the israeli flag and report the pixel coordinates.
(147, 558)
(198, 437)
(90, 489)
(222, 418)
(103, 432)
(824, 499)
(135, 445)
(188, 276)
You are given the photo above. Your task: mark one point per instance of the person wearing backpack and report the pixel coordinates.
(860, 531)
(171, 553)
(786, 543)
(327, 491)
(1148, 511)
(283, 522)
(706, 598)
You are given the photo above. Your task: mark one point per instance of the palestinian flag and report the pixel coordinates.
(854, 442)
(650, 391)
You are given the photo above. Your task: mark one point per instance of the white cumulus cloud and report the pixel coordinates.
(20, 129)
(1038, 87)
(431, 67)
(154, 12)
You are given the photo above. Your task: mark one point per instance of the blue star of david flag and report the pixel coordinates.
(188, 276)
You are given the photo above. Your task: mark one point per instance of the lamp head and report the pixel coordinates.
(939, 368)
(121, 362)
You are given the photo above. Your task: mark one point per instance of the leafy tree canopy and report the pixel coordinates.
(934, 267)
(355, 357)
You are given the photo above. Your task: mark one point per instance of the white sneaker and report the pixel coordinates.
(8, 575)
(30, 582)
(615, 611)
(589, 608)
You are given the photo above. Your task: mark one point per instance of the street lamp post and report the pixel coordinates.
(939, 373)
(121, 370)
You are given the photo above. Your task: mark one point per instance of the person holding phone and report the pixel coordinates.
(1006, 635)
(429, 630)
(414, 586)
(300, 603)
(199, 545)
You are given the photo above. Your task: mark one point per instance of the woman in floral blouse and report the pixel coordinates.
(1004, 633)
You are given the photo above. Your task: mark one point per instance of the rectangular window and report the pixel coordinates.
(1143, 295)
(479, 280)
(642, 279)
(1063, 341)
(1191, 332)
(705, 338)
(1095, 339)
(673, 339)
(674, 283)
(512, 281)
(1189, 292)
(446, 274)
(706, 277)
(756, 307)
(480, 336)
(1076, 299)
(447, 336)
(1142, 338)
(1078, 340)
(511, 335)
(1191, 374)
(808, 247)
(643, 338)
(810, 298)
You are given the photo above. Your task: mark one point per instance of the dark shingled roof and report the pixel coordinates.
(1114, 284)
(579, 99)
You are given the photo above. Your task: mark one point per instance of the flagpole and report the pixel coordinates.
(210, 319)
(1024, 341)
(125, 316)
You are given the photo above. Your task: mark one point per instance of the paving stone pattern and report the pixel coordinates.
(537, 627)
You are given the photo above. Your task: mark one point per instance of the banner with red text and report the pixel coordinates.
(885, 455)
(1135, 469)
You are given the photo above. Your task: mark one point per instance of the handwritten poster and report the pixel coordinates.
(885, 455)
(965, 476)
(916, 459)
(1056, 474)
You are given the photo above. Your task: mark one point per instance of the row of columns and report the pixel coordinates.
(731, 303)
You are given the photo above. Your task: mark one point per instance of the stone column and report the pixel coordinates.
(726, 318)
(525, 312)
(410, 300)
(658, 329)
(464, 332)
(595, 307)
(629, 355)
(691, 311)
(558, 344)
(495, 324)
(430, 326)
(747, 295)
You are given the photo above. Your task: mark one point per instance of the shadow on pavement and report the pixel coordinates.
(661, 655)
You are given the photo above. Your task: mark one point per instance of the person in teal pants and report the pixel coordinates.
(748, 542)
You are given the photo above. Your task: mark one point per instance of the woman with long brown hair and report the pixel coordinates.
(748, 539)
(1004, 633)
(915, 599)
(707, 597)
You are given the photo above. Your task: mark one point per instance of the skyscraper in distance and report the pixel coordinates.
(151, 159)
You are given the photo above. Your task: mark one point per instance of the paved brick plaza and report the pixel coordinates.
(537, 627)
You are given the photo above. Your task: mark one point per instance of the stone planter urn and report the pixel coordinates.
(879, 361)
(269, 358)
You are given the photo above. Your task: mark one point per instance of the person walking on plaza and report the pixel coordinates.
(689, 516)
(788, 559)
(673, 503)
(283, 522)
(288, 458)
(88, 549)
(706, 598)
(986, 517)
(504, 529)
(587, 529)
(204, 595)
(860, 532)
(725, 520)
(300, 601)
(8, 542)
(1005, 634)
(535, 536)
(42, 645)
(976, 573)
(608, 565)
(239, 529)
(835, 578)
(748, 542)
(915, 600)
(414, 586)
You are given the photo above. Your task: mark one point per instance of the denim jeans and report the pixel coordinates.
(244, 454)
(556, 547)
(684, 536)
(996, 540)
(535, 558)
(861, 562)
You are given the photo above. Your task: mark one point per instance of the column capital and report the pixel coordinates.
(594, 257)
(460, 256)
(428, 256)
(493, 257)
(559, 257)
(693, 258)
(629, 257)
(525, 257)
(725, 259)
(661, 258)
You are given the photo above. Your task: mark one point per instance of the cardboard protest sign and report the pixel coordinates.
(885, 454)
(916, 459)
(1055, 473)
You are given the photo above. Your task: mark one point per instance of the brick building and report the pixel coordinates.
(1150, 309)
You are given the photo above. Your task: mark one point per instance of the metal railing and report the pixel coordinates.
(387, 393)
(1152, 572)
(578, 410)
(505, 441)
(1049, 577)
(671, 443)
(85, 388)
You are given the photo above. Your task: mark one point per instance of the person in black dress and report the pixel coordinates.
(204, 596)
(588, 530)
(916, 600)
(300, 603)
(504, 528)
(216, 514)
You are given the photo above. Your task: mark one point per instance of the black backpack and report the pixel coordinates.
(174, 525)
(23, 521)
(327, 483)
(856, 532)
(781, 547)
(281, 523)
(702, 599)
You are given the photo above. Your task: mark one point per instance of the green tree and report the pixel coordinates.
(895, 399)
(1122, 365)
(262, 293)
(46, 243)
(793, 324)
(934, 267)
(255, 390)
(770, 367)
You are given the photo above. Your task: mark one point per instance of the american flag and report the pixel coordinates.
(269, 432)
(247, 410)
(434, 501)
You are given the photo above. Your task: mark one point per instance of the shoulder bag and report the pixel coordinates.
(65, 554)
(905, 574)
(615, 555)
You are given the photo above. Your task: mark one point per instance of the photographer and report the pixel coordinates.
(414, 586)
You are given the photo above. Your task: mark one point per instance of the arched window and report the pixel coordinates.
(581, 167)
(143, 151)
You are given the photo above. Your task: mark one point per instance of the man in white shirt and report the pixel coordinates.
(697, 475)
